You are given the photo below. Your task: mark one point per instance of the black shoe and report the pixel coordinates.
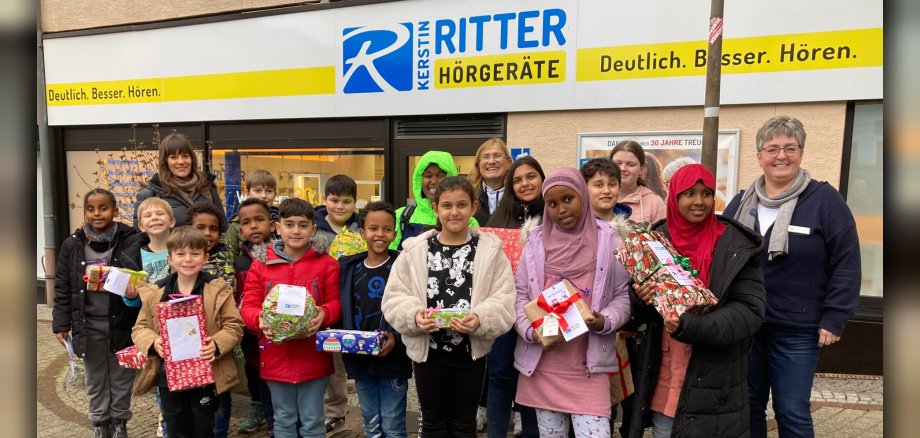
(119, 429)
(335, 425)
(101, 430)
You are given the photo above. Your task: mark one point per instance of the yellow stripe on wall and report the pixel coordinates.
(775, 53)
(265, 83)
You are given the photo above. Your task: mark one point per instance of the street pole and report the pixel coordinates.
(45, 154)
(709, 154)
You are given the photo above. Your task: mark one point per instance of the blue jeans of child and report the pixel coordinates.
(782, 359)
(383, 404)
(299, 401)
(502, 378)
(222, 416)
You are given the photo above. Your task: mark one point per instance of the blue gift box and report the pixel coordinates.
(348, 341)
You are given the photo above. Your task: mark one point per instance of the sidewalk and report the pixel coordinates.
(842, 406)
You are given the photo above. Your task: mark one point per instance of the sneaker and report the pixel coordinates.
(518, 430)
(255, 418)
(481, 419)
(119, 429)
(335, 425)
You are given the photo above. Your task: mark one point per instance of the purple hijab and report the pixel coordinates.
(571, 254)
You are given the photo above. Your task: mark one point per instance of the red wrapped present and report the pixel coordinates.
(649, 256)
(131, 357)
(183, 329)
(511, 243)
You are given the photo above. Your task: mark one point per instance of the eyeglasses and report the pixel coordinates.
(489, 157)
(789, 149)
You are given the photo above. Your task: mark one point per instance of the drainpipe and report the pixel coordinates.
(49, 258)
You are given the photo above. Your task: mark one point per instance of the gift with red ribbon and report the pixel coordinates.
(540, 311)
(131, 357)
(187, 314)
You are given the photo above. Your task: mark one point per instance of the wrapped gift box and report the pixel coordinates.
(96, 274)
(511, 243)
(443, 316)
(649, 256)
(537, 311)
(131, 357)
(347, 243)
(285, 326)
(621, 382)
(348, 341)
(188, 320)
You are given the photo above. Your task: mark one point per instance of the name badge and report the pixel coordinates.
(799, 230)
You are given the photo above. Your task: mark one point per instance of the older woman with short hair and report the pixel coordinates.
(811, 267)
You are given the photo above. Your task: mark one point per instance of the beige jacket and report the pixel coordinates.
(225, 326)
(492, 298)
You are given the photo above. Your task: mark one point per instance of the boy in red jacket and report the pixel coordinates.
(295, 372)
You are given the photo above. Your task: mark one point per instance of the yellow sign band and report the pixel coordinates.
(493, 70)
(265, 83)
(765, 54)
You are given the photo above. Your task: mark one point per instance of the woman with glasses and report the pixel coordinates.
(811, 270)
(488, 176)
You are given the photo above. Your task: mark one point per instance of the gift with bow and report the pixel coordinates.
(560, 313)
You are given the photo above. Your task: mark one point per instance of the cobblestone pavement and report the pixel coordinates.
(842, 406)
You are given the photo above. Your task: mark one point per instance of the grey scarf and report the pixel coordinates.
(187, 188)
(786, 201)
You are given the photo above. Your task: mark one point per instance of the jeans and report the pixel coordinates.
(661, 425)
(222, 416)
(383, 404)
(189, 413)
(160, 407)
(299, 401)
(448, 398)
(503, 379)
(782, 360)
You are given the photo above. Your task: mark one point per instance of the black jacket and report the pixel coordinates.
(713, 401)
(482, 214)
(395, 364)
(179, 205)
(70, 289)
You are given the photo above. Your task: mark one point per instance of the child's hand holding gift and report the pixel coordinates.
(597, 323)
(387, 344)
(316, 322)
(645, 292)
(425, 323)
(158, 346)
(467, 325)
(131, 291)
(266, 330)
(209, 350)
(672, 323)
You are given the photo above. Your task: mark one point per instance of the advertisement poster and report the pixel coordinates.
(667, 151)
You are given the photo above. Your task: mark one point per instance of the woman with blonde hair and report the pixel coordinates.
(180, 180)
(488, 176)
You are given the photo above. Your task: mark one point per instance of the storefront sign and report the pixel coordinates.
(666, 152)
(435, 57)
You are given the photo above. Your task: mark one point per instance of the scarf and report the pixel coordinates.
(786, 201)
(572, 253)
(187, 188)
(104, 237)
(697, 241)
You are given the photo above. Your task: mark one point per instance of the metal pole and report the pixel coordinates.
(708, 157)
(45, 157)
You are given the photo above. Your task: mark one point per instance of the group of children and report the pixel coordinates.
(451, 264)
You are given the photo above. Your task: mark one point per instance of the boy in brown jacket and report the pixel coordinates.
(190, 412)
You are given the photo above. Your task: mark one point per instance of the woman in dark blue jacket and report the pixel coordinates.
(811, 267)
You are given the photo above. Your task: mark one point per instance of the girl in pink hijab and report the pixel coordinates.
(568, 382)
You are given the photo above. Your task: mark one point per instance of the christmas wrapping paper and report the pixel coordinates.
(621, 382)
(131, 357)
(649, 256)
(347, 243)
(537, 310)
(186, 373)
(348, 341)
(285, 326)
(511, 243)
(443, 316)
(96, 274)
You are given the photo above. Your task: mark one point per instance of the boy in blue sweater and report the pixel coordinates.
(381, 381)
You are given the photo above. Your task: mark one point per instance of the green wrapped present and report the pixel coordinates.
(347, 243)
(287, 310)
(442, 317)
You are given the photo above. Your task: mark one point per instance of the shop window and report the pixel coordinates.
(301, 173)
(864, 190)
